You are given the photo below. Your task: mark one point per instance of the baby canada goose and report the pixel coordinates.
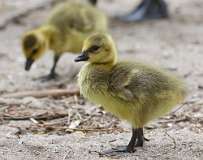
(68, 26)
(132, 91)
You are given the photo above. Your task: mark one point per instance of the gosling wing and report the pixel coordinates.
(134, 81)
(73, 16)
(120, 82)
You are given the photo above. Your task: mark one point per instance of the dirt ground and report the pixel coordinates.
(64, 128)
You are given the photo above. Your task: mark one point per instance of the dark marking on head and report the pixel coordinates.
(29, 41)
(34, 51)
(93, 49)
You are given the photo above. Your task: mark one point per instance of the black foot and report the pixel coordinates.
(137, 140)
(147, 9)
(139, 143)
(131, 145)
(130, 149)
(49, 77)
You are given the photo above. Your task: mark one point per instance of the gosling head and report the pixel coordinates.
(34, 45)
(98, 48)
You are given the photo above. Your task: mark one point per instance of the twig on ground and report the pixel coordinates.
(183, 104)
(99, 153)
(47, 126)
(44, 116)
(184, 119)
(43, 93)
(68, 155)
(93, 129)
(9, 102)
(172, 138)
(110, 154)
(34, 120)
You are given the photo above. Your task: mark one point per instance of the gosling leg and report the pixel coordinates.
(131, 145)
(137, 140)
(52, 75)
(140, 138)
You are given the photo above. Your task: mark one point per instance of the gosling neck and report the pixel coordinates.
(114, 54)
(110, 61)
(47, 31)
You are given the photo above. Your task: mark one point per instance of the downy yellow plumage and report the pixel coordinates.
(132, 91)
(65, 30)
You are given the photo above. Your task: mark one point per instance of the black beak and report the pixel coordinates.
(82, 57)
(28, 64)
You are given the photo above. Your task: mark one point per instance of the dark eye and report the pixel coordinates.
(94, 48)
(34, 51)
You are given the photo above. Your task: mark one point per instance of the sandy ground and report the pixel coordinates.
(175, 44)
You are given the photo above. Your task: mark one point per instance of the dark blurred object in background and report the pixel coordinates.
(147, 9)
(94, 2)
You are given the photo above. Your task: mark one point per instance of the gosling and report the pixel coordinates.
(132, 91)
(65, 30)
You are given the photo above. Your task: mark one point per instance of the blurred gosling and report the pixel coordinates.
(65, 30)
(132, 91)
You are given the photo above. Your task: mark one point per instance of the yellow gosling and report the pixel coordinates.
(131, 91)
(65, 30)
